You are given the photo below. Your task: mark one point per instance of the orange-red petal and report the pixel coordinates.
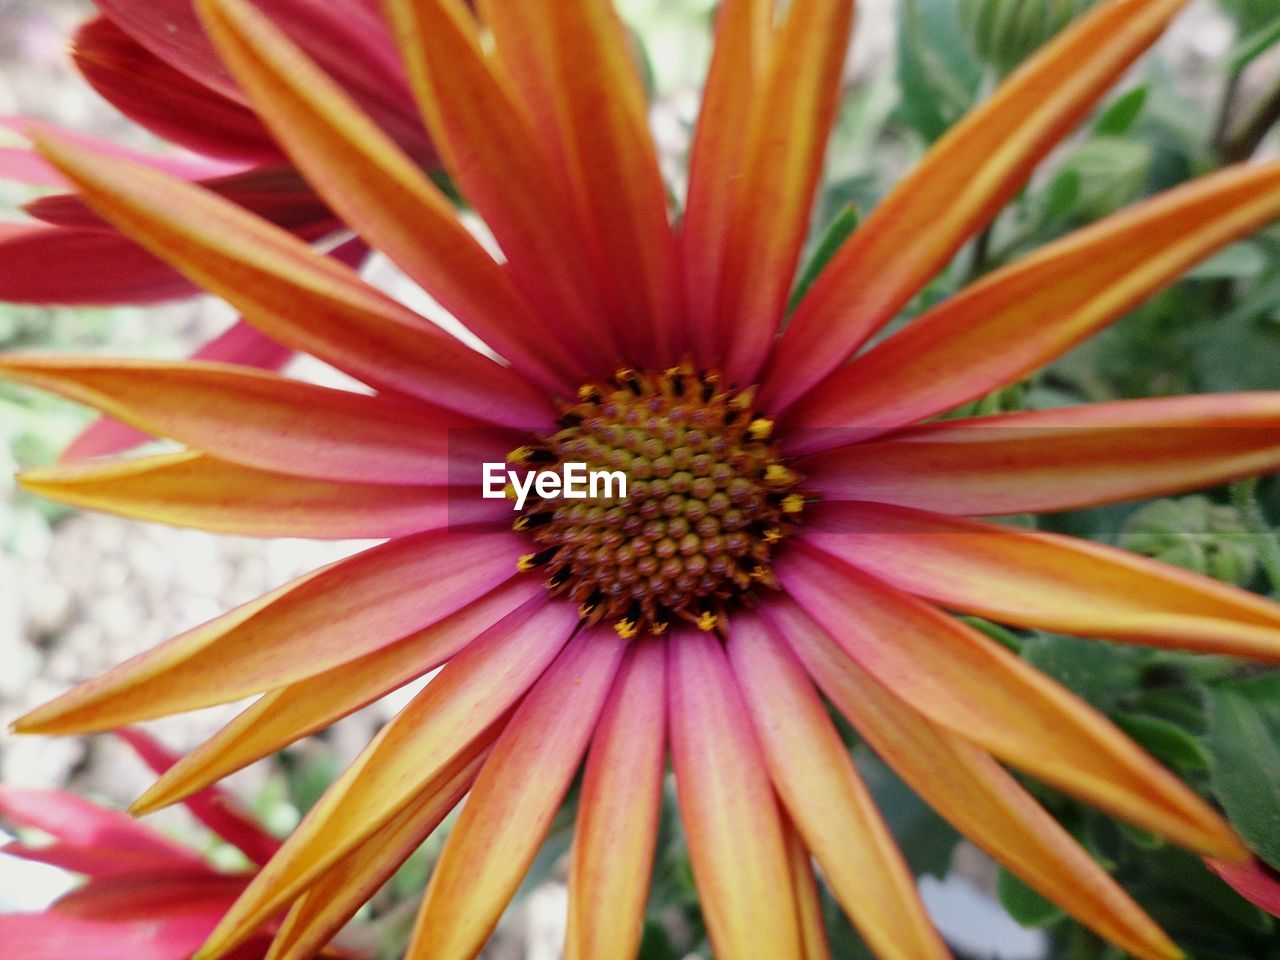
(188, 489)
(785, 143)
(1022, 316)
(391, 204)
(743, 30)
(974, 793)
(960, 185)
(421, 751)
(576, 57)
(504, 169)
(282, 716)
(961, 679)
(335, 898)
(300, 297)
(1047, 581)
(327, 618)
(731, 816)
(251, 417)
(515, 799)
(1051, 460)
(826, 799)
(619, 812)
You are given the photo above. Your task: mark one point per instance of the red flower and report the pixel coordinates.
(144, 896)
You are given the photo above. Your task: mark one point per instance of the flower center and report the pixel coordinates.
(708, 500)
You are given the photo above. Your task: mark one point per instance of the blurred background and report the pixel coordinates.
(80, 592)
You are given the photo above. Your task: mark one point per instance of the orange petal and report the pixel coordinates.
(730, 814)
(813, 927)
(960, 185)
(575, 55)
(824, 796)
(1046, 461)
(973, 792)
(188, 489)
(619, 813)
(505, 171)
(325, 908)
(515, 799)
(743, 29)
(254, 419)
(1047, 581)
(391, 203)
(1021, 317)
(295, 295)
(961, 679)
(282, 716)
(438, 734)
(786, 140)
(327, 618)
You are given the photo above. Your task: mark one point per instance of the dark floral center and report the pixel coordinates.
(708, 500)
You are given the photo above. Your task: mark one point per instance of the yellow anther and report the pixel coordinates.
(772, 535)
(585, 610)
(520, 524)
(761, 428)
(586, 391)
(658, 628)
(526, 563)
(759, 573)
(520, 455)
(509, 491)
(626, 628)
(707, 621)
(792, 503)
(776, 475)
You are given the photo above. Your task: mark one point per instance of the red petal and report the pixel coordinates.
(214, 807)
(167, 102)
(81, 267)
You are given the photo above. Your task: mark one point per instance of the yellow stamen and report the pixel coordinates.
(776, 475)
(520, 455)
(520, 524)
(707, 621)
(792, 503)
(761, 428)
(509, 491)
(772, 535)
(585, 610)
(658, 628)
(525, 563)
(626, 628)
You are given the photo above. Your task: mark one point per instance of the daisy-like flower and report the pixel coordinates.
(793, 531)
(144, 897)
(153, 63)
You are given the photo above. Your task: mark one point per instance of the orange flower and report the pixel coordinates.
(781, 542)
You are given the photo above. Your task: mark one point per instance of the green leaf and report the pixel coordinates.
(1166, 740)
(1245, 769)
(1240, 260)
(1102, 673)
(1116, 120)
(837, 232)
(1250, 47)
(939, 81)
(1024, 904)
(1061, 195)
